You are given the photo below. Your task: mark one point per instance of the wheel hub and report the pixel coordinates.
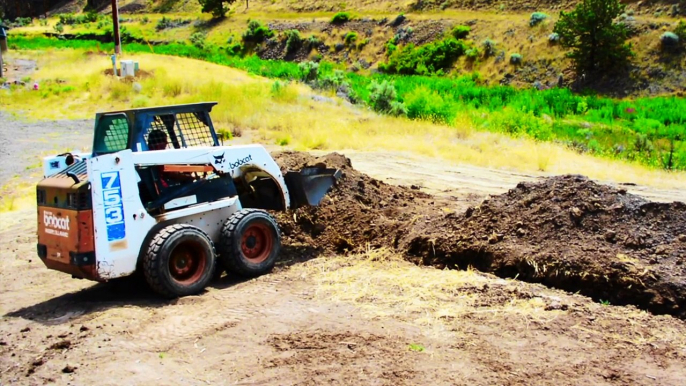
(256, 243)
(187, 263)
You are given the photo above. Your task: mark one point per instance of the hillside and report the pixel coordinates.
(374, 23)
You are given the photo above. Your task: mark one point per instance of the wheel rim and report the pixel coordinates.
(256, 243)
(187, 262)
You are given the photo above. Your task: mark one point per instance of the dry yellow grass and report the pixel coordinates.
(291, 116)
(382, 285)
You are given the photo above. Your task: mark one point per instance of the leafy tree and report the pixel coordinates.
(216, 7)
(598, 43)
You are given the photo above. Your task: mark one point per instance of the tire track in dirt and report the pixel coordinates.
(203, 315)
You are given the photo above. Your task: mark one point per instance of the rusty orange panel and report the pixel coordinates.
(86, 234)
(188, 168)
(60, 230)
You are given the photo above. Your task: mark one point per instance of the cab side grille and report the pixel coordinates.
(79, 200)
(40, 196)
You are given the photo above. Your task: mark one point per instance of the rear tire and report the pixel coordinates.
(180, 261)
(250, 243)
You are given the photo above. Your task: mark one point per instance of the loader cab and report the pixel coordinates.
(183, 125)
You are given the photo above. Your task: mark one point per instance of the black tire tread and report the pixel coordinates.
(152, 257)
(227, 243)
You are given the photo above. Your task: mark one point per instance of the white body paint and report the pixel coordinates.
(120, 220)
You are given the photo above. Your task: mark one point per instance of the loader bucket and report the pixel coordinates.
(310, 185)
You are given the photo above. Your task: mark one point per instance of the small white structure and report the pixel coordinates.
(128, 68)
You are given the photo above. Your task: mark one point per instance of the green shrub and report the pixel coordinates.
(313, 41)
(167, 23)
(224, 135)
(520, 123)
(199, 39)
(536, 18)
(309, 71)
(680, 31)
(350, 38)
(423, 103)
(234, 48)
(293, 41)
(488, 46)
(384, 99)
(59, 28)
(553, 38)
(432, 58)
(257, 32)
(340, 18)
(669, 40)
(460, 31)
(516, 59)
(472, 53)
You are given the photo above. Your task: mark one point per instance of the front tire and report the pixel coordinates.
(250, 243)
(180, 261)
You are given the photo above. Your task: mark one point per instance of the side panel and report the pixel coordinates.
(233, 160)
(120, 220)
(208, 217)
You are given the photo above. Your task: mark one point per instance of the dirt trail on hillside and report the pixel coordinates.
(566, 232)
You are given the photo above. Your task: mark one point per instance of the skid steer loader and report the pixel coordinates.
(161, 195)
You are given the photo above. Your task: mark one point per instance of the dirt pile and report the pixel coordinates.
(359, 212)
(571, 233)
(566, 232)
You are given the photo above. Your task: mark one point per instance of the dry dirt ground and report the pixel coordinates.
(321, 318)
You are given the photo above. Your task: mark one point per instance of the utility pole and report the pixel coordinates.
(115, 23)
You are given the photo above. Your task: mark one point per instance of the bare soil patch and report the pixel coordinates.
(567, 232)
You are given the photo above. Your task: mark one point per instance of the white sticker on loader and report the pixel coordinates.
(114, 208)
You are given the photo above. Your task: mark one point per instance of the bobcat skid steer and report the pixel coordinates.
(159, 194)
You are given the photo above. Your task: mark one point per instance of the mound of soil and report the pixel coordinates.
(566, 232)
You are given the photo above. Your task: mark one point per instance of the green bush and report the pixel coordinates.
(313, 41)
(537, 18)
(384, 99)
(516, 59)
(472, 53)
(167, 23)
(341, 17)
(59, 28)
(423, 103)
(309, 71)
(293, 41)
(680, 32)
(234, 48)
(488, 46)
(521, 123)
(71, 19)
(350, 38)
(257, 32)
(432, 58)
(460, 31)
(199, 40)
(669, 40)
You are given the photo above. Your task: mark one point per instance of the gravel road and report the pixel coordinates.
(23, 143)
